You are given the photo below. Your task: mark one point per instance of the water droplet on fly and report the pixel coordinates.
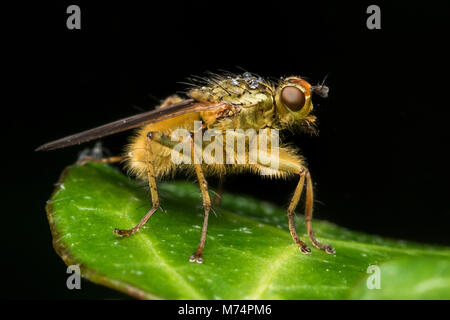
(247, 76)
(253, 84)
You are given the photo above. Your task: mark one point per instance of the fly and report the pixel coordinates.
(221, 103)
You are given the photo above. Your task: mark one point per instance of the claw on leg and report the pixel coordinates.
(322, 246)
(196, 257)
(301, 245)
(129, 232)
(305, 250)
(124, 232)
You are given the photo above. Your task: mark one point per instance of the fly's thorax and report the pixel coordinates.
(255, 116)
(247, 102)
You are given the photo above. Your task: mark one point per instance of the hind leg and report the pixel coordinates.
(153, 192)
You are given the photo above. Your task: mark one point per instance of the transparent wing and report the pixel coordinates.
(171, 111)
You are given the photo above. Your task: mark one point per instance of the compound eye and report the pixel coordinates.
(293, 98)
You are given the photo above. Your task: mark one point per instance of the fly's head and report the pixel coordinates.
(293, 102)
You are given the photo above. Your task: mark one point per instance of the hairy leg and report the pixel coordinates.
(308, 214)
(290, 213)
(197, 256)
(308, 217)
(153, 192)
(290, 163)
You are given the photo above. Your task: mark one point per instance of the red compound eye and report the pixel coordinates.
(293, 98)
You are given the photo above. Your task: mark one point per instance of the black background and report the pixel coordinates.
(380, 160)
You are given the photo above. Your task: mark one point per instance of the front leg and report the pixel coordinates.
(308, 214)
(290, 163)
(290, 213)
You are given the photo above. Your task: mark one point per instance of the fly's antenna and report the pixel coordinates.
(321, 89)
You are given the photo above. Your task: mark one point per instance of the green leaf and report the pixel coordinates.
(410, 278)
(249, 252)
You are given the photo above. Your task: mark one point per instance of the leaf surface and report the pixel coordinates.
(249, 252)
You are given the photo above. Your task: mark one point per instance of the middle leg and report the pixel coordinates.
(197, 256)
(290, 213)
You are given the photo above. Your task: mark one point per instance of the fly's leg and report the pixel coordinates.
(95, 154)
(197, 256)
(308, 216)
(305, 175)
(290, 213)
(153, 192)
(86, 159)
(290, 163)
